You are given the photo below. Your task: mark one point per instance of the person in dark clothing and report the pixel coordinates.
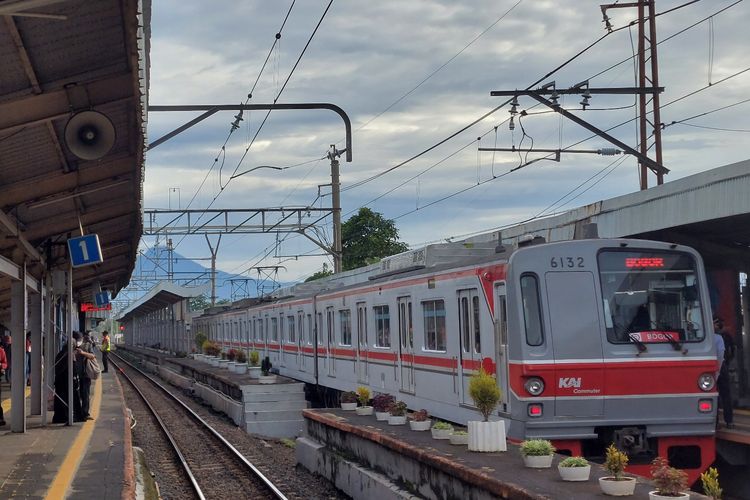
(723, 382)
(83, 351)
(7, 341)
(3, 367)
(61, 388)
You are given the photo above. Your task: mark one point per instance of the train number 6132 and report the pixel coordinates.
(556, 262)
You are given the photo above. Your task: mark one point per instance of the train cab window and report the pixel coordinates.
(345, 320)
(382, 326)
(650, 296)
(434, 325)
(532, 311)
(292, 339)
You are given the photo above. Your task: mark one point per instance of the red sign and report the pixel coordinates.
(89, 307)
(642, 262)
(655, 337)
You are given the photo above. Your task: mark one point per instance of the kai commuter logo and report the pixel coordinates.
(569, 382)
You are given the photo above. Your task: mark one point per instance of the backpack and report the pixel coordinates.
(92, 369)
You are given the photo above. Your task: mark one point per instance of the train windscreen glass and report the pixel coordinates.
(650, 297)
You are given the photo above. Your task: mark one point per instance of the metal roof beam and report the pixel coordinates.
(23, 54)
(7, 225)
(68, 221)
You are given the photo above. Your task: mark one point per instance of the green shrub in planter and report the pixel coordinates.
(241, 357)
(710, 483)
(615, 462)
(442, 426)
(254, 358)
(669, 481)
(574, 462)
(363, 395)
(349, 397)
(536, 448)
(484, 391)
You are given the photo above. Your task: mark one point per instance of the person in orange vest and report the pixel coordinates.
(105, 347)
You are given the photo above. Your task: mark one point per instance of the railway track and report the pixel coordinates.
(214, 468)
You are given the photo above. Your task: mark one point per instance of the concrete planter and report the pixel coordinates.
(574, 473)
(267, 379)
(349, 406)
(538, 461)
(624, 487)
(459, 439)
(653, 495)
(232, 366)
(214, 361)
(487, 436)
(364, 410)
(253, 371)
(441, 433)
(396, 419)
(382, 415)
(420, 426)
(240, 368)
(224, 363)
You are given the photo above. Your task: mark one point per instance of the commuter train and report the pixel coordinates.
(592, 341)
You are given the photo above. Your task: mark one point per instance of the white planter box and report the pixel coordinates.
(420, 426)
(653, 495)
(267, 379)
(382, 415)
(459, 439)
(538, 461)
(487, 436)
(254, 371)
(574, 473)
(396, 419)
(441, 433)
(241, 368)
(364, 410)
(224, 363)
(622, 488)
(231, 365)
(214, 361)
(349, 406)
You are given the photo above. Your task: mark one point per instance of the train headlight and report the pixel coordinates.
(706, 382)
(534, 386)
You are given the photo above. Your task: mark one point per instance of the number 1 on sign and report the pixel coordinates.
(84, 250)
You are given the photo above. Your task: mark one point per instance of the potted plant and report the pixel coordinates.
(537, 453)
(241, 363)
(265, 368)
(442, 430)
(254, 369)
(397, 413)
(616, 484)
(574, 469)
(349, 400)
(363, 395)
(420, 421)
(211, 350)
(670, 482)
(231, 356)
(459, 437)
(485, 435)
(710, 483)
(382, 404)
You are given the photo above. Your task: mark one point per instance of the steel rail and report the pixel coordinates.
(163, 426)
(257, 473)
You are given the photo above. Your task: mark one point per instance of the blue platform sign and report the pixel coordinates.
(85, 250)
(101, 299)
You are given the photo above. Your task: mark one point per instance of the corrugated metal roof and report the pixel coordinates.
(93, 58)
(162, 295)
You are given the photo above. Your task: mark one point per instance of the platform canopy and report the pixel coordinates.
(61, 59)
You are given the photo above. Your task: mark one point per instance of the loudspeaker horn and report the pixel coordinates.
(89, 135)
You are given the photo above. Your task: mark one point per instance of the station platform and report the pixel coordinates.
(367, 458)
(87, 460)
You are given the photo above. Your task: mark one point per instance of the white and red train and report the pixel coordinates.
(592, 342)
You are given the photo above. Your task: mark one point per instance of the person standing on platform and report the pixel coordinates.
(28, 358)
(3, 367)
(83, 352)
(723, 382)
(7, 341)
(105, 347)
(61, 387)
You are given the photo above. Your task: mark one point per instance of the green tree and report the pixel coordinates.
(320, 274)
(368, 237)
(199, 303)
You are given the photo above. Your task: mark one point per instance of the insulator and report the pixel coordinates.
(511, 125)
(609, 151)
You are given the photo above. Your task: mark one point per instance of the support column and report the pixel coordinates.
(18, 350)
(69, 335)
(35, 326)
(49, 334)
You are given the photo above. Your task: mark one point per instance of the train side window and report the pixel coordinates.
(382, 326)
(309, 329)
(274, 329)
(292, 332)
(532, 311)
(345, 318)
(477, 335)
(434, 325)
(464, 323)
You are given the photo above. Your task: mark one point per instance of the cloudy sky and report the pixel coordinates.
(410, 74)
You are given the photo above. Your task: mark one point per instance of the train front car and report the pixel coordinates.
(613, 345)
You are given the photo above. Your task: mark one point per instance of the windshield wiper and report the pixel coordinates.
(676, 345)
(641, 346)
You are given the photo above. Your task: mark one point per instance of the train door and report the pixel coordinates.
(501, 346)
(406, 344)
(362, 344)
(330, 342)
(470, 352)
(577, 344)
(300, 340)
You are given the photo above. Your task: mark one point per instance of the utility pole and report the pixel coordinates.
(648, 78)
(333, 155)
(213, 267)
(170, 260)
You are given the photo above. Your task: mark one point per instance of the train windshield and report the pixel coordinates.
(650, 297)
